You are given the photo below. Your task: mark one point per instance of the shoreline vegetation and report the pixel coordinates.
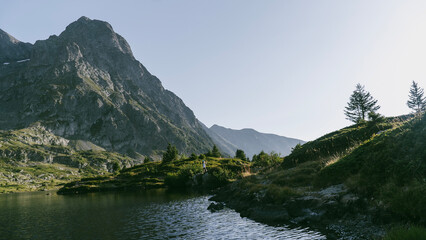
(181, 174)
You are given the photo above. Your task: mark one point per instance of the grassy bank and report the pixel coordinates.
(178, 174)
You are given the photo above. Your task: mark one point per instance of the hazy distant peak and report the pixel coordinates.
(248, 130)
(250, 140)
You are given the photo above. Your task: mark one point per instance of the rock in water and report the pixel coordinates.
(86, 84)
(214, 207)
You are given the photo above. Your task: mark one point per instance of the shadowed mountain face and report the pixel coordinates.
(85, 84)
(251, 141)
(12, 49)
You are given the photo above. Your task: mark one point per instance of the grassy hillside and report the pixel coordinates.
(178, 174)
(34, 159)
(383, 163)
(390, 168)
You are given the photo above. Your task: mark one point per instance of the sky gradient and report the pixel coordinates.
(283, 67)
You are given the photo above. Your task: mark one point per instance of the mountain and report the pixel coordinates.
(250, 141)
(85, 84)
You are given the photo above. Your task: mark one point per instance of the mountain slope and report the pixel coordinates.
(251, 141)
(85, 84)
(35, 159)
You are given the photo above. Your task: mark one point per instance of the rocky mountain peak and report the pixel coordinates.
(93, 40)
(86, 85)
(11, 49)
(95, 34)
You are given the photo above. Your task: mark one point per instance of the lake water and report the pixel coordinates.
(147, 215)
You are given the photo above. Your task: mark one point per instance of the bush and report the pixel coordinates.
(279, 194)
(266, 160)
(193, 157)
(116, 166)
(183, 176)
(220, 177)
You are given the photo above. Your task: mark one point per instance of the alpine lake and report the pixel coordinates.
(153, 214)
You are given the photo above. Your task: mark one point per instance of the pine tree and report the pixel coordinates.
(215, 152)
(360, 104)
(240, 154)
(171, 153)
(416, 101)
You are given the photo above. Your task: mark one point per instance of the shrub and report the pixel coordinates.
(181, 178)
(116, 166)
(266, 160)
(193, 157)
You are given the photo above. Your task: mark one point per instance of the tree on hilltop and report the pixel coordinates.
(416, 101)
(360, 104)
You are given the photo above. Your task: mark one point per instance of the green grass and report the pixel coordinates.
(175, 174)
(406, 233)
(390, 167)
(336, 143)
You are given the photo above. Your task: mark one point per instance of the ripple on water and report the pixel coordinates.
(148, 215)
(190, 219)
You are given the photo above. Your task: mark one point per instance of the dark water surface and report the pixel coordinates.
(148, 215)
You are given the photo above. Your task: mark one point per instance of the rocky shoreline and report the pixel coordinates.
(333, 211)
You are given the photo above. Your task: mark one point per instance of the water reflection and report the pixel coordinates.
(150, 215)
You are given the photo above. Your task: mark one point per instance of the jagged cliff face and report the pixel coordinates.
(11, 49)
(86, 84)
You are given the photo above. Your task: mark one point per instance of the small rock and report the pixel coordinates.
(214, 207)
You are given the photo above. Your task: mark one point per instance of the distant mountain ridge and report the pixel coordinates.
(250, 140)
(85, 84)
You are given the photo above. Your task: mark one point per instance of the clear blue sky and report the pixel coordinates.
(283, 67)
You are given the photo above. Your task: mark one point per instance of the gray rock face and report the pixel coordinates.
(250, 141)
(85, 84)
(11, 49)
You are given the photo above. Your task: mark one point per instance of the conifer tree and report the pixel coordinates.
(171, 153)
(215, 152)
(240, 154)
(416, 101)
(360, 104)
